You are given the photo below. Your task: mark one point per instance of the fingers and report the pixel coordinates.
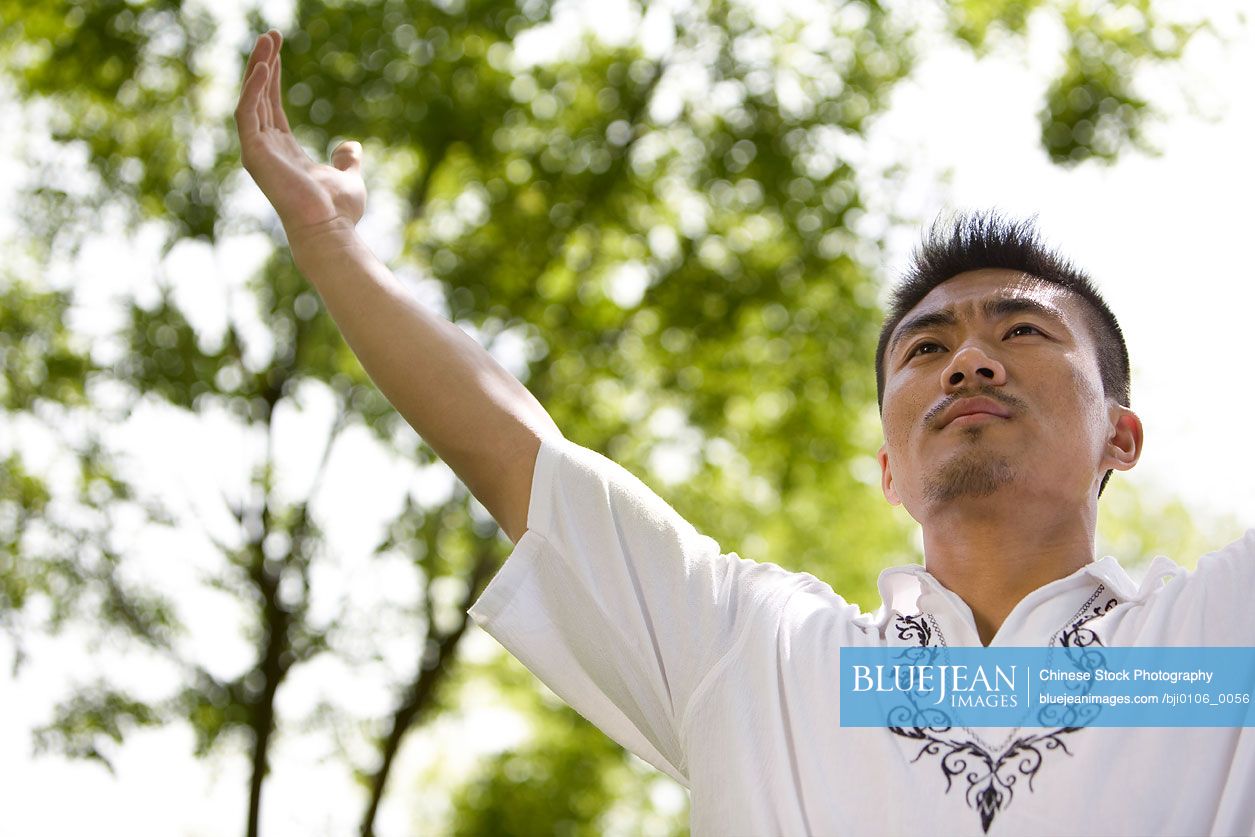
(274, 90)
(347, 156)
(248, 113)
(261, 104)
(252, 110)
(260, 53)
(263, 109)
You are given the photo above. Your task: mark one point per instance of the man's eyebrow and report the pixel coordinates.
(993, 309)
(924, 322)
(1005, 305)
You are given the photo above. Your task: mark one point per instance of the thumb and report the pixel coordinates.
(347, 156)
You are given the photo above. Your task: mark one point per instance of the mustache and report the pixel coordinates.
(992, 393)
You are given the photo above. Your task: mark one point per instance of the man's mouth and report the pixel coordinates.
(974, 418)
(970, 411)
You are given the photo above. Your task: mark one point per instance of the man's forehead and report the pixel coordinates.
(968, 293)
(978, 285)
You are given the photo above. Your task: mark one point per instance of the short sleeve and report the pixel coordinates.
(1214, 606)
(618, 604)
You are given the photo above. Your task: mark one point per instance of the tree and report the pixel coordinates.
(666, 232)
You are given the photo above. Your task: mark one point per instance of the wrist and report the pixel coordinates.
(316, 244)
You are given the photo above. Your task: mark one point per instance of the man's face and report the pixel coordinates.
(992, 389)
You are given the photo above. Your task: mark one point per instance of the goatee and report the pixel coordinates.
(973, 473)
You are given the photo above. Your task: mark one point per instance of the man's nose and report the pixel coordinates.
(972, 366)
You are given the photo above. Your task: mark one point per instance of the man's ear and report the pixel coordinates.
(886, 477)
(1124, 442)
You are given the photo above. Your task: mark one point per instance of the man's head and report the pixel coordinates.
(991, 323)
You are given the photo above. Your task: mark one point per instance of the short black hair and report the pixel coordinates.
(983, 239)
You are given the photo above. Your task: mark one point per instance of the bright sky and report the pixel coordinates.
(1165, 238)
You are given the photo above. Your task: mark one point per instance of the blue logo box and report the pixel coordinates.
(1098, 686)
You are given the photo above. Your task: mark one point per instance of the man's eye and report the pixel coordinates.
(1023, 329)
(925, 349)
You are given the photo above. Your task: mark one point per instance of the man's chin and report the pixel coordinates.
(972, 474)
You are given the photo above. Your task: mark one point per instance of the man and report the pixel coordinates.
(1004, 390)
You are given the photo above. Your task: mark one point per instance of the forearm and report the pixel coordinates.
(474, 414)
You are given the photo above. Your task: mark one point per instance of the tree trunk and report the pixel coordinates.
(423, 688)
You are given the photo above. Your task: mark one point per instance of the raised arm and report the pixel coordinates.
(474, 414)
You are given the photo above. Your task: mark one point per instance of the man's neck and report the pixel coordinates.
(993, 554)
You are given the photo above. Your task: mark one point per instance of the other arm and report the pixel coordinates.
(474, 414)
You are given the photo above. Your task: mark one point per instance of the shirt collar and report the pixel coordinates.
(901, 587)
(1161, 570)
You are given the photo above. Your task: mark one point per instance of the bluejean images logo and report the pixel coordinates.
(954, 685)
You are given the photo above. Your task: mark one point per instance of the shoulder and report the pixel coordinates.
(1228, 570)
(1236, 560)
(1209, 605)
(809, 604)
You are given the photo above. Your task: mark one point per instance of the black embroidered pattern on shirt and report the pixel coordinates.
(991, 778)
(1079, 636)
(914, 627)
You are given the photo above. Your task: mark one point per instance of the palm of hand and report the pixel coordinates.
(306, 195)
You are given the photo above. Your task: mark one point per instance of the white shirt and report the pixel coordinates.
(723, 673)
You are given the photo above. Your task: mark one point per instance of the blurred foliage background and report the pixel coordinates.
(660, 234)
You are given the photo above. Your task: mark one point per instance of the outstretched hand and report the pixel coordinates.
(310, 198)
